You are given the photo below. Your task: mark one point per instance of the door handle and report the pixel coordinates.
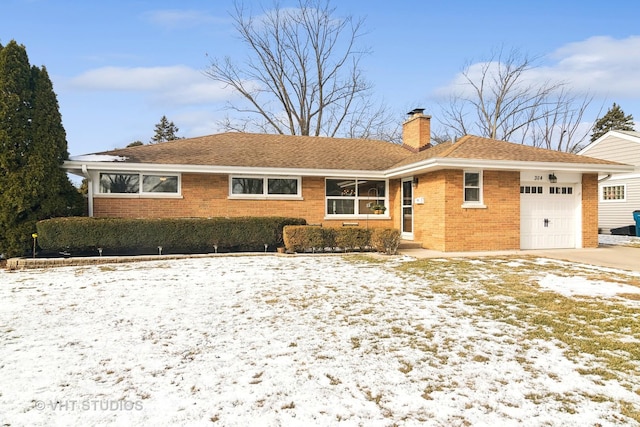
(546, 222)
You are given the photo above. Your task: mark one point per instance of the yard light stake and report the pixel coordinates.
(35, 237)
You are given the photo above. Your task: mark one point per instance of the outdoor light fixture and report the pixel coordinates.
(552, 178)
(415, 182)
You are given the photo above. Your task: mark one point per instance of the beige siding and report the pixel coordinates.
(614, 214)
(622, 149)
(616, 149)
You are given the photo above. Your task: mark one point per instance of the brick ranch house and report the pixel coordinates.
(474, 194)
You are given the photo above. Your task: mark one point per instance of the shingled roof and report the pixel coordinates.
(478, 148)
(269, 151)
(250, 150)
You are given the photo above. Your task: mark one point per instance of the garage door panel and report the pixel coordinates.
(547, 215)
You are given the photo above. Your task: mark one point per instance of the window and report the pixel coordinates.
(129, 183)
(613, 192)
(560, 190)
(251, 187)
(528, 189)
(247, 186)
(354, 196)
(472, 187)
(121, 183)
(159, 184)
(282, 186)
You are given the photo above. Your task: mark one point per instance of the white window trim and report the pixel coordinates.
(366, 215)
(473, 204)
(265, 189)
(601, 193)
(140, 194)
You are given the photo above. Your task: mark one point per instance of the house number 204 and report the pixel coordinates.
(537, 178)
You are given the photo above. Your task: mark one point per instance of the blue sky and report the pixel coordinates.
(118, 66)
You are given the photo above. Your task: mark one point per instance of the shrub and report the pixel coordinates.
(301, 238)
(385, 240)
(352, 238)
(186, 235)
(306, 238)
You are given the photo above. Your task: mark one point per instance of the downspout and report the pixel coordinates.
(604, 179)
(86, 174)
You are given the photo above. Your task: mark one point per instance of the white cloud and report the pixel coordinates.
(602, 66)
(177, 85)
(174, 18)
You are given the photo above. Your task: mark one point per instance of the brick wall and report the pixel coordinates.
(207, 195)
(496, 227)
(429, 218)
(443, 224)
(589, 210)
(440, 223)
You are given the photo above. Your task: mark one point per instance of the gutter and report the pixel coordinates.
(85, 173)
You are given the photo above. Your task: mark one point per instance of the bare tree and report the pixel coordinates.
(501, 100)
(560, 126)
(302, 75)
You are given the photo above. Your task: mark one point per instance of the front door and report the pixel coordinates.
(407, 209)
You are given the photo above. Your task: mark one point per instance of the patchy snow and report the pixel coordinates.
(611, 239)
(272, 341)
(97, 158)
(569, 286)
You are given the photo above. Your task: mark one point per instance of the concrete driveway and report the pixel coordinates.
(614, 256)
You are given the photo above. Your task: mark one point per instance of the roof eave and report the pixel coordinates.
(76, 168)
(512, 165)
(428, 165)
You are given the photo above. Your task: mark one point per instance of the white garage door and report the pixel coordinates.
(547, 216)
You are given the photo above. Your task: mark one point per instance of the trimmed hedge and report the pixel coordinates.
(313, 238)
(175, 235)
(386, 240)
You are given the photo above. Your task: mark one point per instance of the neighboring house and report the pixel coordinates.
(619, 195)
(474, 194)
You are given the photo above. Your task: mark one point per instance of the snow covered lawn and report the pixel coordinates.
(321, 340)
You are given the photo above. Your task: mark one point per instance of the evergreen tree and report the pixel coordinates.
(165, 131)
(613, 120)
(32, 148)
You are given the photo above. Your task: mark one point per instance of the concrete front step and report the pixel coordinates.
(409, 244)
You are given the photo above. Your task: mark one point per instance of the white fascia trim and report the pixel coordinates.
(445, 163)
(624, 177)
(233, 170)
(403, 171)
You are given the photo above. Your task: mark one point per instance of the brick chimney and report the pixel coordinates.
(416, 131)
